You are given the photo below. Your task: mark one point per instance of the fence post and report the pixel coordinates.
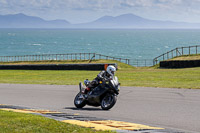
(189, 50)
(163, 56)
(196, 50)
(182, 50)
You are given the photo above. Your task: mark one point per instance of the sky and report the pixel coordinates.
(81, 11)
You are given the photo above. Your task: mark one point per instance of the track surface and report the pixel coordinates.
(163, 107)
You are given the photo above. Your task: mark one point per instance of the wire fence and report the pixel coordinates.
(179, 51)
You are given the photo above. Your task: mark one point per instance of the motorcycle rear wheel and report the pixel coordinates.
(79, 101)
(108, 101)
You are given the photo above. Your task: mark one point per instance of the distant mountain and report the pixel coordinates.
(23, 21)
(122, 21)
(133, 21)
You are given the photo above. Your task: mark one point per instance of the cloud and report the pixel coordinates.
(3, 1)
(78, 9)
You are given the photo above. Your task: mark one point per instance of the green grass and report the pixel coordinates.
(167, 78)
(128, 76)
(187, 57)
(12, 122)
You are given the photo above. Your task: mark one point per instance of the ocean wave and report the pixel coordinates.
(36, 44)
(11, 34)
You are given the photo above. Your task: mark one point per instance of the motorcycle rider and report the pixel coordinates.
(103, 75)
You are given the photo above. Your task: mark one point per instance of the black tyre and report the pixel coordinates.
(79, 101)
(108, 101)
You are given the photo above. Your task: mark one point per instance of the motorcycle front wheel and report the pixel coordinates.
(79, 100)
(108, 101)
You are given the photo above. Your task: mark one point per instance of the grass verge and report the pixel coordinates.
(12, 122)
(128, 76)
(187, 57)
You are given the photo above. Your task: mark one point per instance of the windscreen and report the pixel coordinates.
(114, 82)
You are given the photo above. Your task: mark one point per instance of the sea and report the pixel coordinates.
(122, 43)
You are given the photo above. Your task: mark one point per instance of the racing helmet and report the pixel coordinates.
(111, 70)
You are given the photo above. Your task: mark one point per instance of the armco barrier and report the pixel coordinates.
(57, 67)
(180, 64)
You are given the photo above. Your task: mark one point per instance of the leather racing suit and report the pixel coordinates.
(103, 75)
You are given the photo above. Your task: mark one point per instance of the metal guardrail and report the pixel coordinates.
(141, 62)
(93, 56)
(179, 51)
(59, 57)
(75, 56)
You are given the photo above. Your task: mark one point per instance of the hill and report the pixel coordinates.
(23, 21)
(133, 21)
(106, 22)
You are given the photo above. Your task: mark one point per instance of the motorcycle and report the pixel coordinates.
(104, 95)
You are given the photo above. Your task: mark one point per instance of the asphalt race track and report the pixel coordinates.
(177, 109)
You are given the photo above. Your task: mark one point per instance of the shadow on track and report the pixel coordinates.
(84, 109)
